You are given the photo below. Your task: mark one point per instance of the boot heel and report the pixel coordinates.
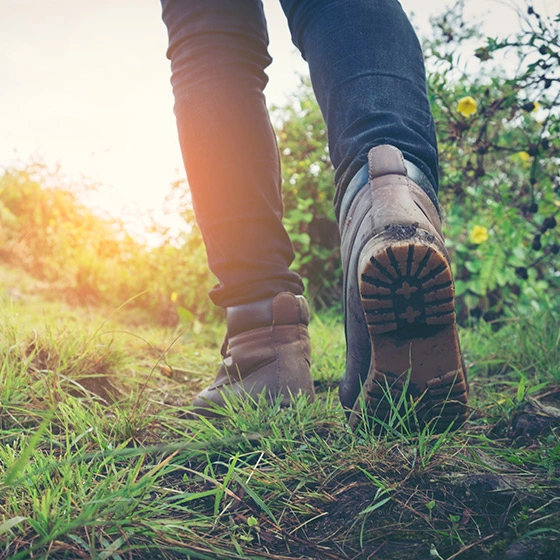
(403, 356)
(407, 295)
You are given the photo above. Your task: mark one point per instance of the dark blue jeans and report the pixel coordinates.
(367, 71)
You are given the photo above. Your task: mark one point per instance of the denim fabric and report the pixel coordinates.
(367, 71)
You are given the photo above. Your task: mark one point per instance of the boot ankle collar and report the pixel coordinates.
(285, 308)
(361, 179)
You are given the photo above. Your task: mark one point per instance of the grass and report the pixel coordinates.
(99, 458)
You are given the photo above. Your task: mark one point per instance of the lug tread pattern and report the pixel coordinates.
(407, 285)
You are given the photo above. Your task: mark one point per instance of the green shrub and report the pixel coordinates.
(308, 189)
(89, 259)
(499, 155)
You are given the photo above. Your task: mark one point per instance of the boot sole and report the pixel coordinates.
(407, 294)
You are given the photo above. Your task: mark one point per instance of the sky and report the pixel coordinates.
(86, 86)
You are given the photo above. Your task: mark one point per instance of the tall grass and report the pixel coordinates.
(130, 474)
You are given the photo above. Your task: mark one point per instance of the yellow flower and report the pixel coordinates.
(466, 106)
(536, 107)
(479, 234)
(173, 297)
(524, 156)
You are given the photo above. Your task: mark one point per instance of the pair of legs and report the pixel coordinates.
(367, 71)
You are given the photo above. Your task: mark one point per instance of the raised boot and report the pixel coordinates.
(267, 349)
(400, 325)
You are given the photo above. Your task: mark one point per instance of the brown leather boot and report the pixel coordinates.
(267, 349)
(399, 300)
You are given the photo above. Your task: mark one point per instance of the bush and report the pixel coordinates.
(45, 230)
(308, 191)
(499, 155)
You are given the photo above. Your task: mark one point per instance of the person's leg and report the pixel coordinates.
(218, 53)
(367, 71)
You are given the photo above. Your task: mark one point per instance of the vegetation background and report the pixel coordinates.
(104, 340)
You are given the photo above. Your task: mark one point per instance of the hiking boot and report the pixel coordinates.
(400, 325)
(266, 349)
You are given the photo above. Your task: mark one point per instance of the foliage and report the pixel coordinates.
(45, 230)
(496, 105)
(308, 192)
(499, 161)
